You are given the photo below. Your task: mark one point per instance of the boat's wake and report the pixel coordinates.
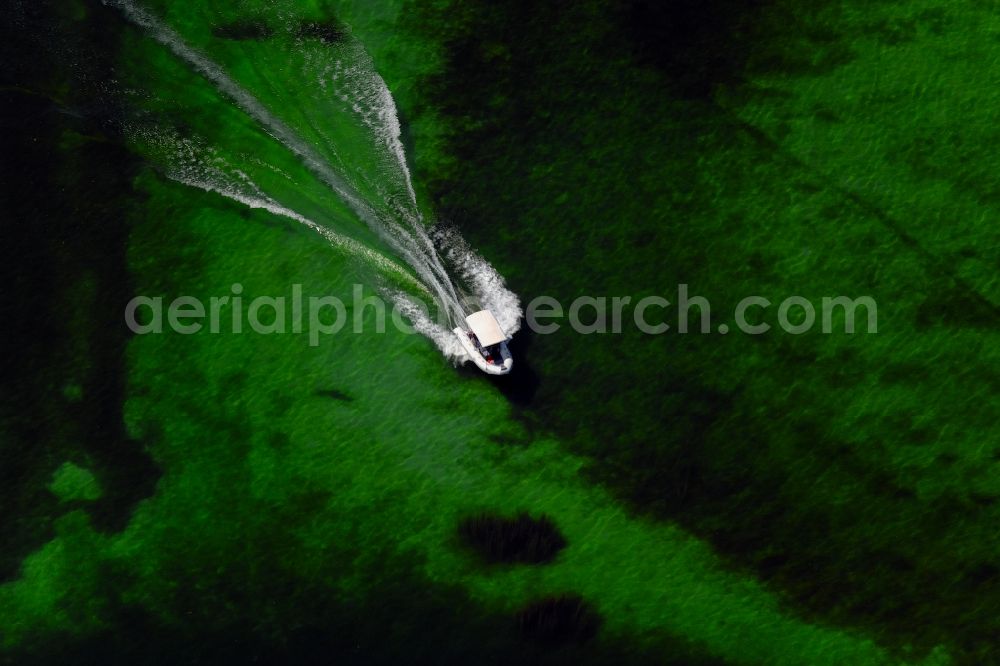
(347, 136)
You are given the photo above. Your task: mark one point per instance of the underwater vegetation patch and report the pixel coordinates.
(334, 394)
(521, 539)
(243, 29)
(558, 620)
(325, 31)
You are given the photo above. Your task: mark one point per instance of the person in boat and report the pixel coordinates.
(491, 354)
(484, 340)
(478, 347)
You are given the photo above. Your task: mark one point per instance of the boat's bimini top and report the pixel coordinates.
(485, 343)
(486, 328)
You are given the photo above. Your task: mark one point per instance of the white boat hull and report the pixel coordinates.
(489, 368)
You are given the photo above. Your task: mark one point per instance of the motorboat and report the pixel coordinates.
(486, 343)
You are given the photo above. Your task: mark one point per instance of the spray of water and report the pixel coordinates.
(484, 282)
(200, 166)
(352, 79)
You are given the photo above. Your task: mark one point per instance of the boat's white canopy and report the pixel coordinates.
(486, 327)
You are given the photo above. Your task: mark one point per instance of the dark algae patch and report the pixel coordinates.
(334, 394)
(518, 540)
(558, 620)
(243, 30)
(327, 31)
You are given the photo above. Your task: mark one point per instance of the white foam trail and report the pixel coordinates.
(360, 88)
(200, 166)
(211, 71)
(441, 336)
(487, 285)
(428, 266)
(401, 226)
(343, 243)
(354, 81)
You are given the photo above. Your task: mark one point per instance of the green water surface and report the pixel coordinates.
(775, 499)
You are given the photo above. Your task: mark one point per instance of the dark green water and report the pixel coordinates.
(775, 499)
